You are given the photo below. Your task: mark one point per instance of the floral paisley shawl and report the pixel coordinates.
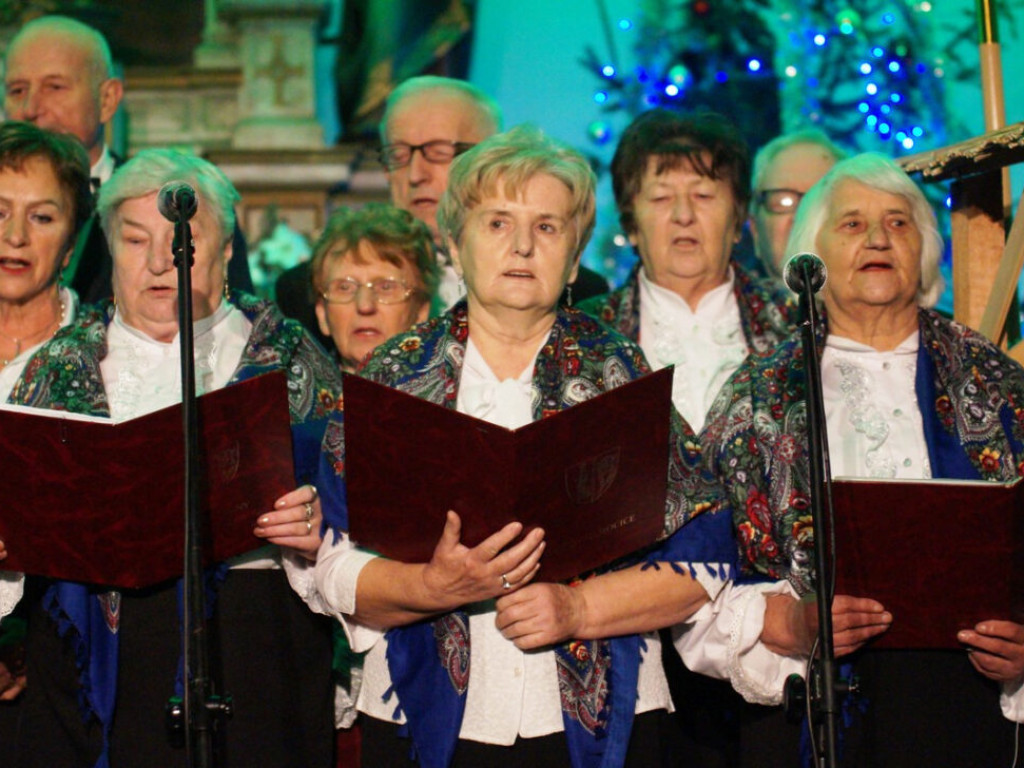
(971, 397)
(65, 376)
(767, 314)
(767, 309)
(429, 661)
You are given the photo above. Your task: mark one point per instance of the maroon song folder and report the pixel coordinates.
(941, 555)
(593, 476)
(104, 503)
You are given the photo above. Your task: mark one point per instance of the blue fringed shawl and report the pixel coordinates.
(65, 375)
(429, 661)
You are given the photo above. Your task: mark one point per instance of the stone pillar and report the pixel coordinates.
(219, 47)
(277, 107)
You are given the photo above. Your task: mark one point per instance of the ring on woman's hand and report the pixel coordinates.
(309, 527)
(309, 509)
(505, 583)
(312, 489)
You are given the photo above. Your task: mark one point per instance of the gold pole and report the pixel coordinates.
(992, 80)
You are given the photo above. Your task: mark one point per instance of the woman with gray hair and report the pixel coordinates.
(102, 664)
(555, 676)
(908, 394)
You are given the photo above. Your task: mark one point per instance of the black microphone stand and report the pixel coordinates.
(202, 712)
(823, 686)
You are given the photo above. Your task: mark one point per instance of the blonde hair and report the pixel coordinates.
(510, 160)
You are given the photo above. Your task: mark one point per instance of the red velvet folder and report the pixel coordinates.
(104, 503)
(941, 555)
(593, 476)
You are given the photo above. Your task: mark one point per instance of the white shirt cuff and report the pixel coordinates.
(1011, 700)
(12, 587)
(723, 640)
(337, 570)
(300, 572)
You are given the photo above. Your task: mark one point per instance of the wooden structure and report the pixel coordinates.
(986, 263)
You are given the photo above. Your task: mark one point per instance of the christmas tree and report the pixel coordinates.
(870, 76)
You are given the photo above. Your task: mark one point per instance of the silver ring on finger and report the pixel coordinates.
(312, 489)
(309, 527)
(309, 510)
(505, 583)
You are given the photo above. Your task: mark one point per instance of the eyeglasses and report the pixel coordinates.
(399, 155)
(385, 290)
(779, 200)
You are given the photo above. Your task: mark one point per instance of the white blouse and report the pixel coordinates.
(871, 412)
(512, 694)
(875, 429)
(142, 375)
(705, 344)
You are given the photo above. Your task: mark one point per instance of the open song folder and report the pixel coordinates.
(941, 555)
(95, 501)
(593, 476)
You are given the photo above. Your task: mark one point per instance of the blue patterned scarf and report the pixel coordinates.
(429, 662)
(65, 375)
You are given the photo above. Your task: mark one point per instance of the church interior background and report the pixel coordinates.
(284, 94)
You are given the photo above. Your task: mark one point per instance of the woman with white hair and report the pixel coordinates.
(102, 664)
(908, 394)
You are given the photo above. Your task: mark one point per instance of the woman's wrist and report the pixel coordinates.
(786, 629)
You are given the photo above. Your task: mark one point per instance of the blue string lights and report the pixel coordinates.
(868, 76)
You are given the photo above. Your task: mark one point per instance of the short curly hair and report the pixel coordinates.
(707, 141)
(396, 235)
(510, 160)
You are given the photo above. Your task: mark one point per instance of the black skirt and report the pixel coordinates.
(267, 651)
(650, 746)
(914, 708)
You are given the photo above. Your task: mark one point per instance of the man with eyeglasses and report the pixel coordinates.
(427, 122)
(784, 169)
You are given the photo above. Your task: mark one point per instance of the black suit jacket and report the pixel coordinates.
(588, 283)
(293, 292)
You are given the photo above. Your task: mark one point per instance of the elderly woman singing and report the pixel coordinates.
(682, 187)
(102, 664)
(908, 394)
(44, 200)
(466, 656)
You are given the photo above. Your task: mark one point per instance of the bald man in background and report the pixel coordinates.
(784, 169)
(59, 75)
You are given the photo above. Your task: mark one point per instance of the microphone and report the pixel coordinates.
(177, 201)
(801, 264)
